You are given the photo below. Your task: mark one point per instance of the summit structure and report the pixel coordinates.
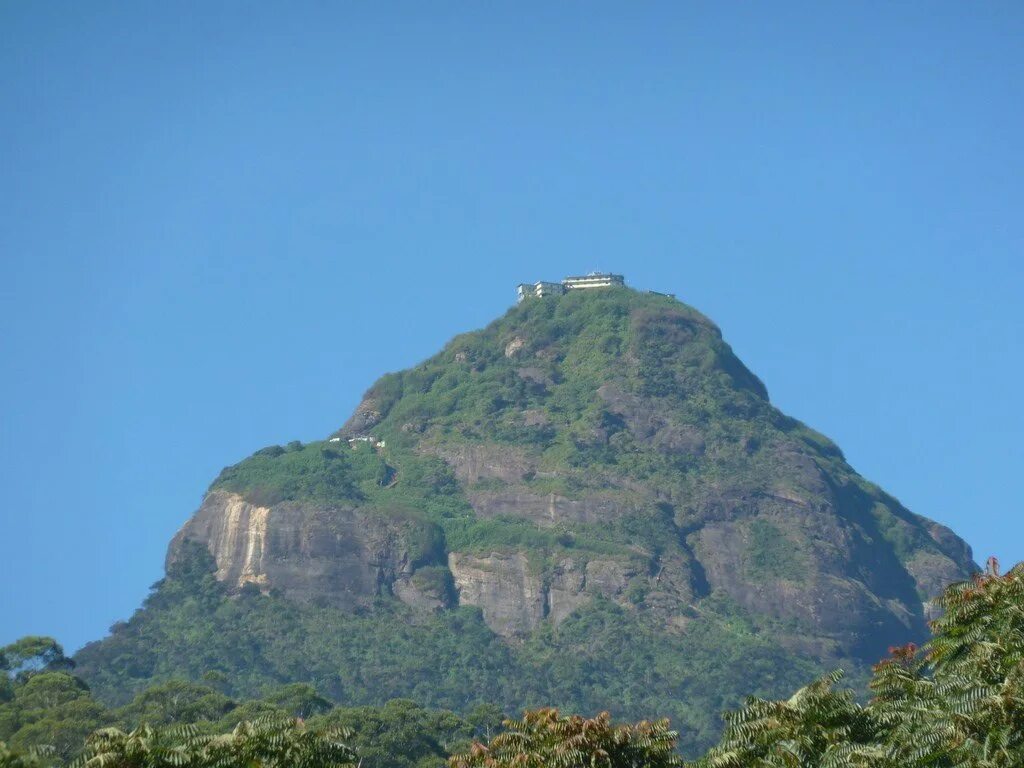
(543, 289)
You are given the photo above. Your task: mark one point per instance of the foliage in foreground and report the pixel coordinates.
(603, 657)
(545, 739)
(270, 742)
(957, 702)
(32, 758)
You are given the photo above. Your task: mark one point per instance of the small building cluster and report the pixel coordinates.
(360, 439)
(543, 289)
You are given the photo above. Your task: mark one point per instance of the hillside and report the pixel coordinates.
(589, 503)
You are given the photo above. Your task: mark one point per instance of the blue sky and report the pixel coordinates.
(222, 221)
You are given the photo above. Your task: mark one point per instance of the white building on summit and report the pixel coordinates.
(542, 289)
(593, 280)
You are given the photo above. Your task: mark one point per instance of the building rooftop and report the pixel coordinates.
(543, 288)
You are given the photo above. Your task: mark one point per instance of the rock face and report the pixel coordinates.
(516, 597)
(600, 446)
(309, 552)
(513, 599)
(236, 533)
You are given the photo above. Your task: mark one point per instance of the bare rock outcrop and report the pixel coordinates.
(312, 553)
(366, 416)
(515, 346)
(511, 596)
(515, 597)
(650, 424)
(812, 551)
(472, 462)
(475, 462)
(549, 509)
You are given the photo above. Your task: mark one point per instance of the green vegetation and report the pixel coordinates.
(334, 474)
(625, 401)
(30, 758)
(604, 657)
(402, 734)
(473, 391)
(315, 472)
(772, 554)
(52, 716)
(545, 738)
(273, 742)
(550, 382)
(631, 413)
(956, 702)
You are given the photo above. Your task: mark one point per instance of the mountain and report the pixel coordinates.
(590, 503)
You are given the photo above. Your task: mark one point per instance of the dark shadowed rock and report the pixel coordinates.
(365, 417)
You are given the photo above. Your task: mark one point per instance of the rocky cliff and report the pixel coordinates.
(327, 553)
(603, 445)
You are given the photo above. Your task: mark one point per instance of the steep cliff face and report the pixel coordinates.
(324, 554)
(516, 596)
(600, 446)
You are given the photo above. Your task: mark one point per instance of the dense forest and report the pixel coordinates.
(958, 700)
(603, 657)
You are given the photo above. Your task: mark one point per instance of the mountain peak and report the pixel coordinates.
(556, 352)
(595, 463)
(600, 442)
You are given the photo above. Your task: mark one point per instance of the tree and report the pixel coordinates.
(33, 653)
(253, 709)
(49, 690)
(817, 727)
(956, 702)
(959, 700)
(401, 734)
(52, 709)
(298, 699)
(545, 739)
(145, 747)
(32, 758)
(275, 742)
(486, 720)
(176, 701)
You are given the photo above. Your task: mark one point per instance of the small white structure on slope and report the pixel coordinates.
(539, 290)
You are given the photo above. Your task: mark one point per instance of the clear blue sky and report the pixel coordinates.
(220, 222)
